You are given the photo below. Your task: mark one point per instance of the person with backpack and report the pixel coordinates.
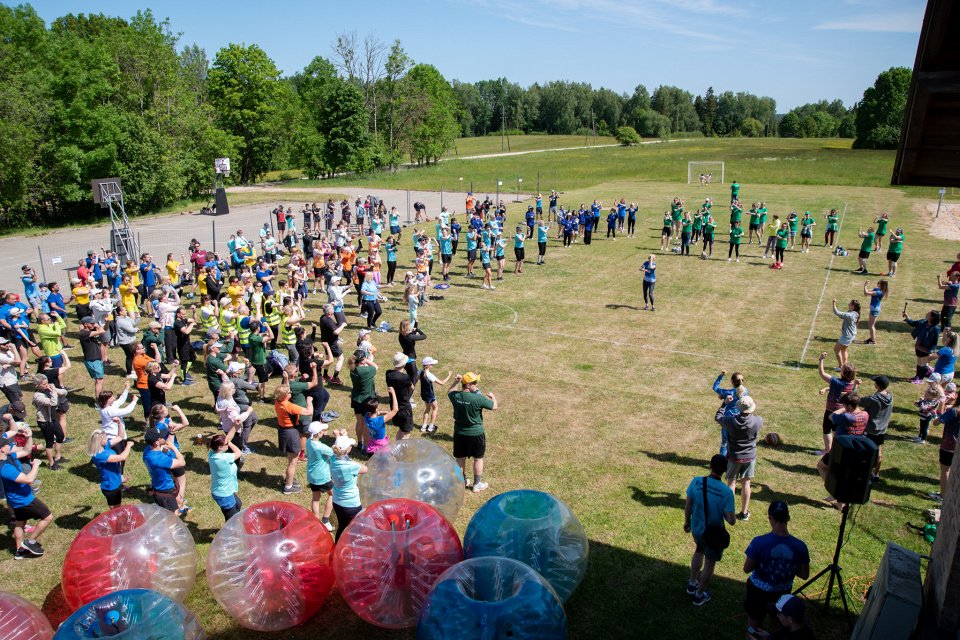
(709, 503)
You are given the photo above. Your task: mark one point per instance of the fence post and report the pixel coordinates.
(213, 225)
(538, 182)
(43, 272)
(441, 196)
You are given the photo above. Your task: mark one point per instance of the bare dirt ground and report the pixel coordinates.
(946, 226)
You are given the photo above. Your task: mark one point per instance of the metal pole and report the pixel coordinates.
(43, 272)
(940, 203)
(441, 196)
(498, 192)
(213, 233)
(538, 182)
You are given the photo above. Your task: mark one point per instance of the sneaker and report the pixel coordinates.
(55, 466)
(187, 381)
(743, 516)
(423, 428)
(337, 381)
(246, 450)
(700, 599)
(869, 341)
(33, 547)
(326, 378)
(291, 490)
(483, 286)
(493, 287)
(132, 376)
(691, 589)
(327, 524)
(918, 440)
(708, 595)
(184, 511)
(820, 452)
(297, 485)
(874, 478)
(933, 495)
(23, 554)
(328, 416)
(432, 428)
(480, 486)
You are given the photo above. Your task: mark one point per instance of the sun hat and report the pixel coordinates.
(746, 405)
(427, 361)
(317, 427)
(934, 377)
(344, 442)
(400, 359)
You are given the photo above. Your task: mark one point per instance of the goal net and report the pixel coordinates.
(705, 172)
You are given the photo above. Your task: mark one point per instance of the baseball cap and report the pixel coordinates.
(17, 409)
(400, 359)
(428, 361)
(317, 427)
(364, 332)
(791, 606)
(881, 381)
(359, 354)
(3, 340)
(15, 311)
(152, 436)
(4, 441)
(344, 442)
(746, 405)
(779, 511)
(470, 377)
(87, 320)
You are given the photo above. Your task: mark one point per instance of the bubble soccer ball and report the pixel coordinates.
(269, 567)
(133, 546)
(22, 620)
(132, 614)
(389, 557)
(536, 529)
(492, 598)
(416, 469)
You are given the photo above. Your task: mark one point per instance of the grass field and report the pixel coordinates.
(492, 144)
(609, 407)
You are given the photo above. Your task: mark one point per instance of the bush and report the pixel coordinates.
(627, 136)
(584, 131)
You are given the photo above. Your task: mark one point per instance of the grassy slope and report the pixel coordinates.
(600, 407)
(492, 144)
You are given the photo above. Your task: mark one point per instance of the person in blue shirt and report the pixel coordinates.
(649, 269)
(539, 206)
(500, 246)
(631, 219)
(344, 473)
(530, 218)
(369, 294)
(946, 362)
(950, 419)
(696, 516)
(518, 250)
(446, 251)
(391, 246)
(542, 229)
(148, 276)
(877, 294)
(455, 233)
(773, 561)
(94, 265)
(31, 290)
(109, 463)
(161, 457)
(621, 214)
(472, 236)
(376, 422)
(223, 459)
(951, 296)
(319, 457)
(567, 225)
(575, 227)
(612, 223)
(19, 492)
(728, 398)
(595, 210)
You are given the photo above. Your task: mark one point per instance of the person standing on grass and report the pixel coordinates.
(781, 246)
(793, 221)
(773, 561)
(162, 458)
(530, 219)
(631, 219)
(729, 403)
(743, 430)
(46, 399)
(686, 225)
(734, 191)
(288, 435)
(363, 378)
(835, 389)
(894, 251)
(344, 473)
(90, 333)
(926, 335)
(542, 229)
(21, 499)
(469, 436)
(697, 227)
(806, 231)
(951, 292)
(330, 331)
(772, 231)
(666, 232)
(649, 269)
(736, 235)
(429, 396)
(848, 330)
(485, 265)
(881, 223)
(865, 248)
(877, 294)
(518, 250)
(709, 227)
(719, 507)
(950, 419)
(833, 225)
(223, 458)
(879, 408)
(754, 226)
(109, 462)
(319, 458)
(848, 420)
(612, 223)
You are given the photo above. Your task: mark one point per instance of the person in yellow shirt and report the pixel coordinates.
(81, 295)
(128, 297)
(173, 269)
(235, 291)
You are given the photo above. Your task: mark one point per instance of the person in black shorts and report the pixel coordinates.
(399, 380)
(19, 495)
(330, 331)
(469, 437)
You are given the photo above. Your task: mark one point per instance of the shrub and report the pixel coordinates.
(627, 136)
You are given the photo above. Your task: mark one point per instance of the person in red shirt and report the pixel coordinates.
(955, 268)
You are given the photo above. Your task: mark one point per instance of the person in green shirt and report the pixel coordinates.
(666, 232)
(881, 223)
(734, 191)
(215, 367)
(676, 215)
(736, 235)
(258, 355)
(893, 252)
(469, 437)
(793, 221)
(685, 226)
(709, 227)
(865, 247)
(782, 236)
(806, 232)
(833, 225)
(736, 212)
(363, 378)
(697, 226)
(762, 210)
(754, 225)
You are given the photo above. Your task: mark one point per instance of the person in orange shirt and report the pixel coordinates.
(288, 434)
(347, 257)
(319, 264)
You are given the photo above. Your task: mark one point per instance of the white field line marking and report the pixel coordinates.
(823, 291)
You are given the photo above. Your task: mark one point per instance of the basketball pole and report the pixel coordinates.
(834, 569)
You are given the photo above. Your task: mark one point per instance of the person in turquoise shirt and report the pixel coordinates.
(446, 252)
(344, 473)
(223, 459)
(471, 251)
(319, 457)
(518, 250)
(542, 229)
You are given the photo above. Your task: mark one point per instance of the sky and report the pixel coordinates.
(795, 51)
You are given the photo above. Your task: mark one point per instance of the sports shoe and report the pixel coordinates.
(328, 416)
(187, 381)
(480, 486)
(184, 510)
(432, 428)
(743, 516)
(493, 287)
(423, 428)
(933, 495)
(820, 452)
(700, 599)
(132, 376)
(246, 450)
(874, 478)
(63, 459)
(337, 381)
(23, 554)
(918, 440)
(326, 378)
(327, 524)
(291, 490)
(691, 589)
(869, 341)
(35, 548)
(55, 466)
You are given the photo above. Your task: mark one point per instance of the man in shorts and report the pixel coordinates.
(330, 331)
(742, 431)
(720, 506)
(20, 498)
(773, 560)
(469, 436)
(90, 333)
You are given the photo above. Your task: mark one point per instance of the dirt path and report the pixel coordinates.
(946, 226)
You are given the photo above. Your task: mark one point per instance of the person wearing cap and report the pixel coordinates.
(789, 611)
(90, 333)
(319, 457)
(469, 436)
(152, 340)
(428, 394)
(31, 290)
(879, 408)
(215, 367)
(773, 561)
(743, 428)
(223, 459)
(344, 474)
(400, 381)
(719, 508)
(161, 458)
(19, 494)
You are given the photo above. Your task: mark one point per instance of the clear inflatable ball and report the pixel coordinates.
(22, 620)
(132, 614)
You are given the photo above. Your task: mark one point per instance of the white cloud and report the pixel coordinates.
(900, 22)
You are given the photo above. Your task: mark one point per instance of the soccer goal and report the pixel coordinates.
(705, 171)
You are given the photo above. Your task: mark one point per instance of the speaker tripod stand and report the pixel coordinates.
(834, 570)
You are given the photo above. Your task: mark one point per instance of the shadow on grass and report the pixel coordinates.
(55, 607)
(622, 306)
(893, 326)
(77, 519)
(656, 498)
(675, 458)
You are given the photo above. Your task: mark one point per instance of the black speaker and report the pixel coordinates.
(852, 459)
(221, 201)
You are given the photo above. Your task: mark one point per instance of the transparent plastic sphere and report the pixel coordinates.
(389, 557)
(132, 614)
(22, 620)
(269, 566)
(493, 598)
(535, 528)
(416, 469)
(135, 546)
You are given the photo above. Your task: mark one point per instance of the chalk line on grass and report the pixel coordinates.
(823, 291)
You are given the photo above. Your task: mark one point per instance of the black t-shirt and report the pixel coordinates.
(183, 339)
(328, 328)
(90, 345)
(400, 382)
(157, 395)
(53, 376)
(408, 343)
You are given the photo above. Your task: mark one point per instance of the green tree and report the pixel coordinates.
(627, 136)
(752, 128)
(244, 89)
(395, 68)
(790, 126)
(430, 123)
(880, 113)
(651, 124)
(677, 105)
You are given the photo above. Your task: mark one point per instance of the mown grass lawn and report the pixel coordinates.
(610, 408)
